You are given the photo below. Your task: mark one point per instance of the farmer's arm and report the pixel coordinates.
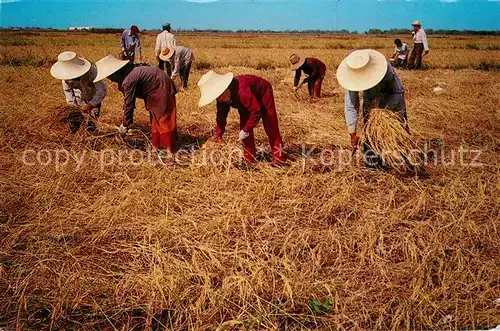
(69, 93)
(128, 103)
(100, 93)
(222, 112)
(251, 103)
(298, 73)
(351, 110)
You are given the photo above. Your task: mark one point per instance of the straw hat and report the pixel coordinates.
(69, 66)
(417, 22)
(107, 66)
(296, 61)
(361, 70)
(212, 85)
(166, 53)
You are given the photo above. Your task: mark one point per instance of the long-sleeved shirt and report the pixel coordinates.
(389, 93)
(420, 37)
(402, 51)
(84, 91)
(251, 95)
(129, 43)
(164, 39)
(150, 84)
(182, 57)
(312, 67)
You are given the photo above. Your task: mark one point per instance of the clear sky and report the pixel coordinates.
(359, 15)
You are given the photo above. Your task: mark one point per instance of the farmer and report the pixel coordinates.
(182, 59)
(153, 86)
(314, 68)
(420, 46)
(400, 56)
(368, 71)
(164, 39)
(77, 75)
(253, 97)
(130, 42)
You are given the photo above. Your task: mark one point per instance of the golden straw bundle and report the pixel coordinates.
(385, 133)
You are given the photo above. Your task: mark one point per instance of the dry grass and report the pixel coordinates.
(96, 245)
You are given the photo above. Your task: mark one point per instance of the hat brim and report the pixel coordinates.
(168, 56)
(298, 64)
(216, 89)
(105, 70)
(365, 78)
(63, 71)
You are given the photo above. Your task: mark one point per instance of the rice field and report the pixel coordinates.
(97, 234)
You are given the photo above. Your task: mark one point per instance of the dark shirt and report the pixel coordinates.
(248, 96)
(312, 67)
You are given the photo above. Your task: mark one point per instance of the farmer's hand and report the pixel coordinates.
(354, 141)
(122, 129)
(87, 108)
(243, 135)
(426, 52)
(295, 88)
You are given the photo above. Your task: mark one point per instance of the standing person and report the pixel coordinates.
(314, 68)
(182, 59)
(400, 55)
(253, 97)
(420, 45)
(165, 39)
(153, 86)
(130, 43)
(77, 75)
(368, 71)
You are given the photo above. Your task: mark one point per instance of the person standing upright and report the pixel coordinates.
(165, 39)
(420, 46)
(130, 43)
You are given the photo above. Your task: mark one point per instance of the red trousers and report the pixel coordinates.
(314, 83)
(164, 130)
(270, 121)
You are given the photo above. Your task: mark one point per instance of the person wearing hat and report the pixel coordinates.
(153, 86)
(77, 76)
(130, 42)
(420, 46)
(314, 68)
(165, 39)
(253, 97)
(182, 59)
(368, 71)
(400, 56)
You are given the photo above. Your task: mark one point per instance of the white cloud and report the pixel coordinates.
(8, 1)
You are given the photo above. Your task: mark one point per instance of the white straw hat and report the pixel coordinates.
(417, 22)
(107, 66)
(166, 53)
(296, 61)
(69, 66)
(212, 85)
(361, 70)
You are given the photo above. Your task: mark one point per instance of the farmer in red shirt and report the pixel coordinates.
(312, 67)
(253, 97)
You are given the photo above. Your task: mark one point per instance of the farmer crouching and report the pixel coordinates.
(156, 89)
(314, 68)
(253, 97)
(368, 71)
(77, 75)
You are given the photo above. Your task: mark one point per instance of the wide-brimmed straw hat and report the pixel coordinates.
(69, 66)
(212, 85)
(166, 53)
(361, 70)
(417, 22)
(108, 65)
(296, 61)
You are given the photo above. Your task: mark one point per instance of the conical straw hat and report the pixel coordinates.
(212, 85)
(361, 70)
(69, 66)
(107, 66)
(166, 53)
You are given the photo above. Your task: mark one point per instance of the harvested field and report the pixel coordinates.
(97, 234)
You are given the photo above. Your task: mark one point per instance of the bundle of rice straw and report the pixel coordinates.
(67, 116)
(385, 133)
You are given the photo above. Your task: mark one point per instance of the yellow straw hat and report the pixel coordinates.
(108, 65)
(296, 61)
(166, 53)
(212, 85)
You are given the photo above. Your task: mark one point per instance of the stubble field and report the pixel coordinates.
(96, 234)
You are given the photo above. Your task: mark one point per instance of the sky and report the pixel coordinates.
(359, 15)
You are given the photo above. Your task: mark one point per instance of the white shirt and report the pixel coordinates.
(164, 39)
(84, 91)
(420, 37)
(402, 51)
